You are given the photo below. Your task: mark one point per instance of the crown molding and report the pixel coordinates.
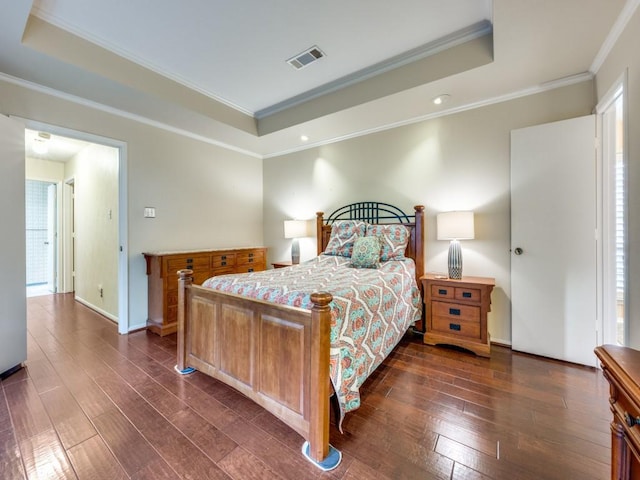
(618, 27)
(121, 113)
(552, 85)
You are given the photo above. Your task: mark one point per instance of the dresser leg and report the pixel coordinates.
(619, 463)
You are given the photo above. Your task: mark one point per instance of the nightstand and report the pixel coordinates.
(282, 264)
(456, 312)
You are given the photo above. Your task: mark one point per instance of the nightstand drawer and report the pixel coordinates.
(441, 291)
(450, 325)
(456, 311)
(469, 294)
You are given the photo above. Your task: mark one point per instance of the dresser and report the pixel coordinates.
(621, 368)
(456, 312)
(162, 268)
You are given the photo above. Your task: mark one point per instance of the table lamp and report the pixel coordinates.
(295, 229)
(455, 226)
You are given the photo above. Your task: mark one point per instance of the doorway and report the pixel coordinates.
(41, 237)
(92, 258)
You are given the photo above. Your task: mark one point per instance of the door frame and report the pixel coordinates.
(123, 235)
(603, 203)
(58, 233)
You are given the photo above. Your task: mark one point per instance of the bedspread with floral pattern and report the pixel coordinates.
(370, 312)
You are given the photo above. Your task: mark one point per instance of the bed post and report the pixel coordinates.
(419, 245)
(317, 448)
(319, 234)
(184, 281)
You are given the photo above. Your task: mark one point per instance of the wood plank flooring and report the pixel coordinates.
(92, 404)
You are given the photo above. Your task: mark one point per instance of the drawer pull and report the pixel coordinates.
(251, 254)
(250, 270)
(442, 291)
(454, 326)
(466, 294)
(250, 260)
(631, 421)
(189, 260)
(454, 311)
(223, 263)
(223, 257)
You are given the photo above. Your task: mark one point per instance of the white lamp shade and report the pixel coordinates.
(296, 228)
(455, 226)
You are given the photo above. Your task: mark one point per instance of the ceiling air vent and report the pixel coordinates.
(305, 58)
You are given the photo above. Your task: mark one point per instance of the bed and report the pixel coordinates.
(286, 337)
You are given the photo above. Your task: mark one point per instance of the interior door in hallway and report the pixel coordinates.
(52, 238)
(553, 240)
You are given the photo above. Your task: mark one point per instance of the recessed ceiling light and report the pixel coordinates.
(304, 138)
(440, 99)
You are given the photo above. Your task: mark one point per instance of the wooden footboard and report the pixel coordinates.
(278, 356)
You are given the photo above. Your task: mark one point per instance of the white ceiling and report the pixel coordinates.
(56, 148)
(217, 70)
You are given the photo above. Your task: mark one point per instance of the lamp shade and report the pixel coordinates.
(455, 226)
(296, 228)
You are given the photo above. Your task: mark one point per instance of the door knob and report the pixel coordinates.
(518, 251)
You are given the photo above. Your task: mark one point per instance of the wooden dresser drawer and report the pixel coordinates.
(194, 262)
(456, 311)
(249, 267)
(250, 257)
(457, 327)
(223, 260)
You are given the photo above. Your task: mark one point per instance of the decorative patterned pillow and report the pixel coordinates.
(343, 235)
(393, 239)
(366, 253)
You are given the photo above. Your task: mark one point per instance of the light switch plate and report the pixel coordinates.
(149, 212)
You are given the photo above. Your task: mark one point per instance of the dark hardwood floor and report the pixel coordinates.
(94, 404)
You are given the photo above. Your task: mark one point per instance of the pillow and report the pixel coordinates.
(366, 253)
(393, 239)
(343, 235)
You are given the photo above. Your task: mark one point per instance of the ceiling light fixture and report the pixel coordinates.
(40, 143)
(304, 138)
(440, 99)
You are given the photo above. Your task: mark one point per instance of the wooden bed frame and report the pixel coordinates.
(244, 342)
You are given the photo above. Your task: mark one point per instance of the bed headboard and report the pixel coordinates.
(378, 213)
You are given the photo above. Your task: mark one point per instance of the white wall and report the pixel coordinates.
(624, 57)
(457, 162)
(13, 308)
(44, 170)
(95, 173)
(205, 195)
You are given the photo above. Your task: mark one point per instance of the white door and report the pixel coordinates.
(13, 265)
(553, 243)
(52, 244)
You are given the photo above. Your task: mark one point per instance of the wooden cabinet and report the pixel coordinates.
(162, 268)
(621, 368)
(456, 312)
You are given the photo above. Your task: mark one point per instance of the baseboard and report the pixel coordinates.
(10, 372)
(500, 343)
(90, 305)
(136, 328)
